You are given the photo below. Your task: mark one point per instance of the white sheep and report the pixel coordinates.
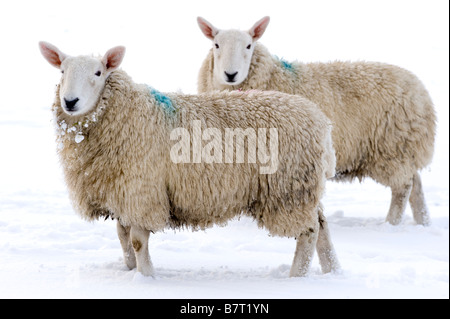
(383, 118)
(154, 161)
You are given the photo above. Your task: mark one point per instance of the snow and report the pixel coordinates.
(79, 138)
(47, 251)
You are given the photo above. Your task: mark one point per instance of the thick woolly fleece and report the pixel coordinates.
(116, 159)
(383, 118)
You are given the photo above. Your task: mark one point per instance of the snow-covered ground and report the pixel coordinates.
(47, 251)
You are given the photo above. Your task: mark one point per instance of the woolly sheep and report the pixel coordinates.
(116, 145)
(383, 117)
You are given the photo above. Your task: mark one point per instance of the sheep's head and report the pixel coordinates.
(83, 77)
(233, 50)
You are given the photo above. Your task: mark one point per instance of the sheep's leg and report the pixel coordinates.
(304, 253)
(139, 241)
(125, 240)
(400, 196)
(417, 202)
(325, 250)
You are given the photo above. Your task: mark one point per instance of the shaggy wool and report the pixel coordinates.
(383, 118)
(117, 163)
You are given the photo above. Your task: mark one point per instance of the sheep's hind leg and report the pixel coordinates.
(400, 196)
(304, 253)
(139, 241)
(417, 202)
(125, 241)
(325, 250)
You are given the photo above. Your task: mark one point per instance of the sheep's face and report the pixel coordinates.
(83, 80)
(83, 77)
(233, 50)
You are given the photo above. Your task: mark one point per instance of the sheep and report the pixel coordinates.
(383, 118)
(140, 156)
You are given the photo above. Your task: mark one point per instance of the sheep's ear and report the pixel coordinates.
(52, 54)
(113, 58)
(258, 29)
(207, 28)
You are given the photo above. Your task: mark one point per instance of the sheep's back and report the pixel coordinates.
(383, 117)
(202, 194)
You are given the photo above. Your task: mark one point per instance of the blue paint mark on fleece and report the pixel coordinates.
(285, 64)
(162, 100)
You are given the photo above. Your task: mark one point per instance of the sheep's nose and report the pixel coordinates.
(230, 77)
(70, 105)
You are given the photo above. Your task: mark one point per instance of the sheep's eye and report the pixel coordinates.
(98, 73)
(249, 46)
(62, 71)
(217, 46)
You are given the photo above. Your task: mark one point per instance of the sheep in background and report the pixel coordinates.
(383, 118)
(117, 149)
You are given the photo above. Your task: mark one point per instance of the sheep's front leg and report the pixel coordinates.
(304, 252)
(125, 241)
(139, 241)
(325, 250)
(400, 197)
